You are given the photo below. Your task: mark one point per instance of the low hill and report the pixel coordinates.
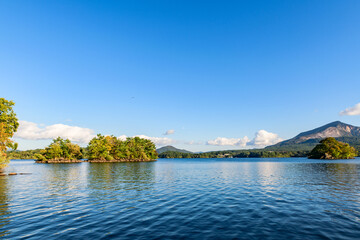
(171, 149)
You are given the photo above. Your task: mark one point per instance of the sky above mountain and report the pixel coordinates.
(199, 75)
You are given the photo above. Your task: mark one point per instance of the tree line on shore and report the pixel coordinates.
(254, 153)
(109, 147)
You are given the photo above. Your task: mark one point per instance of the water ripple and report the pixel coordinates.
(177, 199)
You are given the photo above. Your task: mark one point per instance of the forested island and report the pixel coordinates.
(60, 151)
(112, 149)
(330, 148)
(100, 149)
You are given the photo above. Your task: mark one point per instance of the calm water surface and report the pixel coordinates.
(174, 198)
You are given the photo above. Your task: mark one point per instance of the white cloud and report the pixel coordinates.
(264, 138)
(122, 137)
(221, 141)
(33, 131)
(351, 111)
(192, 142)
(157, 140)
(169, 132)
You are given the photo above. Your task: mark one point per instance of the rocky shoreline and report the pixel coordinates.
(59, 161)
(13, 174)
(92, 161)
(120, 160)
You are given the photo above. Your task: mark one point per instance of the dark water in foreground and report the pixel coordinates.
(197, 199)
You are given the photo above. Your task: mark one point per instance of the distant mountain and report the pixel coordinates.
(307, 140)
(171, 149)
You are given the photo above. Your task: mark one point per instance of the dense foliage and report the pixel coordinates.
(60, 149)
(109, 148)
(8, 126)
(27, 154)
(330, 148)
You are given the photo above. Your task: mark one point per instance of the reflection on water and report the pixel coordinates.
(119, 180)
(4, 208)
(179, 198)
(110, 175)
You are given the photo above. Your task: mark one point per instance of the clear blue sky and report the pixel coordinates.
(205, 69)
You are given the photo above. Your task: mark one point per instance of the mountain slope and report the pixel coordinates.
(171, 149)
(307, 140)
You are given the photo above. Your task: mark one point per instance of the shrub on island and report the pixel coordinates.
(330, 148)
(60, 150)
(112, 149)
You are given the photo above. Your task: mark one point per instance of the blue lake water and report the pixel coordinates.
(183, 198)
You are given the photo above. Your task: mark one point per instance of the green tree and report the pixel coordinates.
(60, 149)
(109, 148)
(330, 148)
(99, 148)
(8, 126)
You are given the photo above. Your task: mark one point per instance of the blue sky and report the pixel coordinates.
(205, 69)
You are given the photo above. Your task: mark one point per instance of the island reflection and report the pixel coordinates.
(4, 206)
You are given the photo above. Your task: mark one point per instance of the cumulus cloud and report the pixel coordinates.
(222, 141)
(351, 111)
(33, 131)
(262, 138)
(192, 142)
(157, 140)
(169, 132)
(122, 137)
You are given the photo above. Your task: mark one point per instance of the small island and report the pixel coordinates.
(330, 148)
(60, 151)
(100, 149)
(112, 149)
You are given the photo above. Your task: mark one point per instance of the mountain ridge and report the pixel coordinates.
(308, 139)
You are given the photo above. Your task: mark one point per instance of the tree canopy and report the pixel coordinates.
(60, 149)
(330, 148)
(110, 148)
(8, 126)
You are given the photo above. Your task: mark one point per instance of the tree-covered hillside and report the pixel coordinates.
(171, 149)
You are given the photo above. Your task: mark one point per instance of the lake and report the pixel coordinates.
(292, 198)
